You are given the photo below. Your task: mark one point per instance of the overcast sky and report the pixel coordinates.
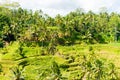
(53, 7)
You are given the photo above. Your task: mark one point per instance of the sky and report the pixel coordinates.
(63, 7)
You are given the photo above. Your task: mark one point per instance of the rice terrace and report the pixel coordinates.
(79, 45)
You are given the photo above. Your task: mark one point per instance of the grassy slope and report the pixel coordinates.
(110, 52)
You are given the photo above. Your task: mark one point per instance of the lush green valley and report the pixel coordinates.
(78, 46)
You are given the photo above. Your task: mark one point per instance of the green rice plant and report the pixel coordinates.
(20, 51)
(17, 73)
(94, 68)
(1, 68)
(113, 73)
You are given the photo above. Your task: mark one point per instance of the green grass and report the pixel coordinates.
(108, 52)
(53, 28)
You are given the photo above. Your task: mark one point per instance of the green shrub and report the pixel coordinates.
(1, 68)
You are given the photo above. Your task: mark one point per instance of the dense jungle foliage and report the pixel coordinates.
(76, 27)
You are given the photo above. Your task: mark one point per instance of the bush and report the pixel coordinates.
(94, 68)
(1, 68)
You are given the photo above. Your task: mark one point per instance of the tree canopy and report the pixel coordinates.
(76, 27)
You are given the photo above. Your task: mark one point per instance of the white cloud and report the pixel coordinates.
(95, 5)
(53, 7)
(53, 12)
